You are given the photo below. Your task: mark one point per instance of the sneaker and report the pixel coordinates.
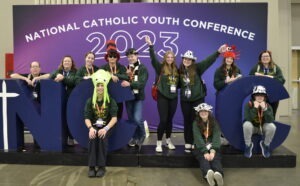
(265, 150)
(224, 141)
(71, 142)
(248, 150)
(158, 147)
(100, 172)
(92, 172)
(188, 148)
(210, 177)
(219, 178)
(169, 144)
(132, 142)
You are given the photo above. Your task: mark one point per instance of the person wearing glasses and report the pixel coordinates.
(33, 80)
(266, 67)
(117, 71)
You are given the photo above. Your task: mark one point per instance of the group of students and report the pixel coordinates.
(201, 130)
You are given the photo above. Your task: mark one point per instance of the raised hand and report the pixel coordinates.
(222, 48)
(147, 40)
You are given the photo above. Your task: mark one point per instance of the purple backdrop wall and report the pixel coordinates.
(47, 33)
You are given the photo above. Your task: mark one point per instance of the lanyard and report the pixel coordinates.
(266, 71)
(65, 73)
(206, 134)
(260, 116)
(100, 110)
(113, 69)
(88, 71)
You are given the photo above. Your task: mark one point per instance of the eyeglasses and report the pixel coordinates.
(34, 67)
(265, 56)
(112, 56)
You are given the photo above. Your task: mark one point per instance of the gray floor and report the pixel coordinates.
(19, 175)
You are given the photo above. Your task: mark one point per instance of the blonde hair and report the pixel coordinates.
(169, 69)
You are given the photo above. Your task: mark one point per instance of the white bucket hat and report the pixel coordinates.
(189, 54)
(259, 89)
(203, 106)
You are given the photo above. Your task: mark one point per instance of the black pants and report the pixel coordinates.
(166, 109)
(215, 164)
(274, 106)
(97, 150)
(120, 110)
(189, 114)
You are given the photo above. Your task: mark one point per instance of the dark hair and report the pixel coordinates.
(90, 52)
(131, 51)
(223, 67)
(272, 63)
(61, 67)
(200, 122)
(191, 70)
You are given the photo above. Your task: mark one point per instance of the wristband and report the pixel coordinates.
(106, 128)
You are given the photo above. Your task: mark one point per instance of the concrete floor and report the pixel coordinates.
(19, 175)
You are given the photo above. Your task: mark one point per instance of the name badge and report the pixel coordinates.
(188, 93)
(173, 89)
(208, 146)
(99, 123)
(34, 94)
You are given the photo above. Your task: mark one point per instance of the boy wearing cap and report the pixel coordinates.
(207, 140)
(138, 76)
(100, 116)
(259, 119)
(116, 70)
(192, 89)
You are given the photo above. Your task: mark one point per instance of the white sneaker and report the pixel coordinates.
(224, 141)
(219, 178)
(158, 146)
(169, 144)
(188, 148)
(71, 142)
(210, 177)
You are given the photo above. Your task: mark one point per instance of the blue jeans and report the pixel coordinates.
(135, 111)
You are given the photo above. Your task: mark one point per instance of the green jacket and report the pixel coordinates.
(92, 114)
(140, 83)
(251, 114)
(69, 81)
(164, 83)
(275, 72)
(219, 78)
(121, 71)
(197, 89)
(199, 139)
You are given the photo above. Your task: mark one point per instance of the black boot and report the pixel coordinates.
(101, 171)
(92, 172)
